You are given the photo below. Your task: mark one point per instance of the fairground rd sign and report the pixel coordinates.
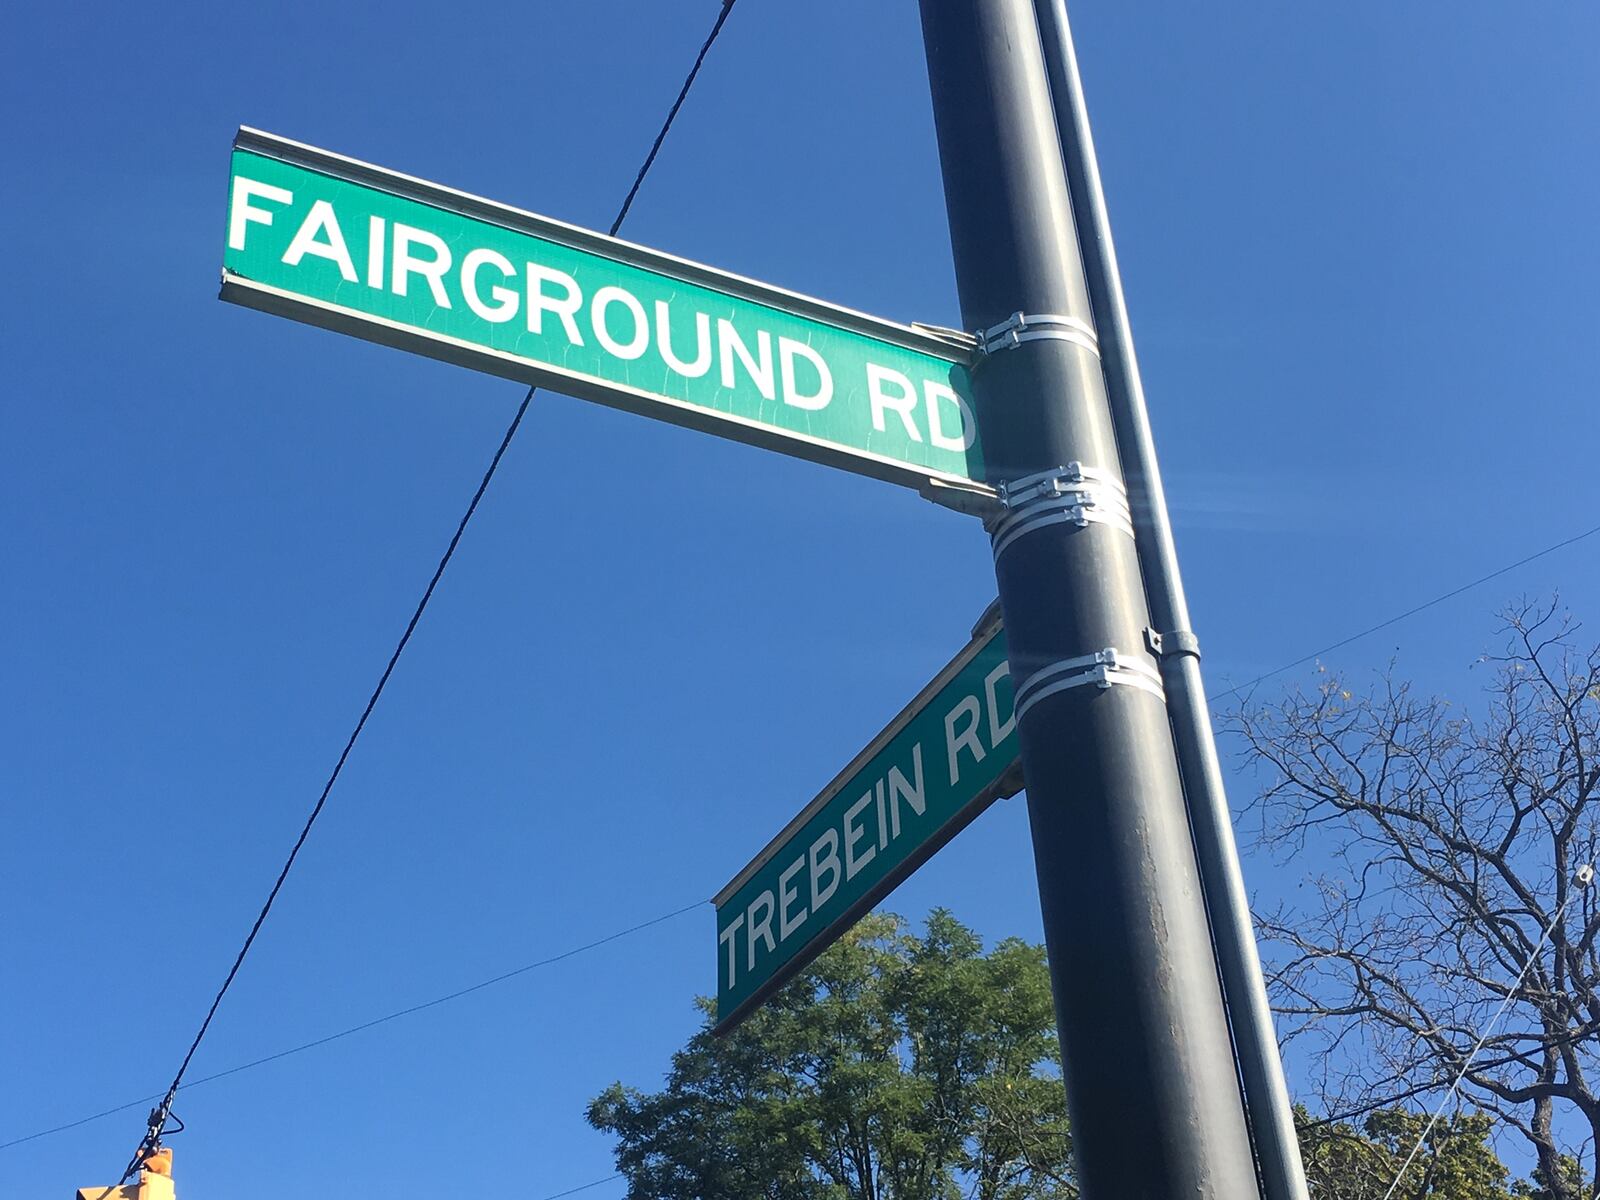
(342, 244)
(950, 753)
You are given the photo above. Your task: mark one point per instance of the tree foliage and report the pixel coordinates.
(1344, 1161)
(898, 1067)
(902, 1067)
(1451, 846)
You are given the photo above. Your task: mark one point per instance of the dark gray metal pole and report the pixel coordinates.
(1150, 1077)
(1271, 1116)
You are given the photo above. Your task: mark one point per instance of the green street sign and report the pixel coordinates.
(949, 754)
(352, 247)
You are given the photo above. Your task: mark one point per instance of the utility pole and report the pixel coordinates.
(1271, 1114)
(1151, 1086)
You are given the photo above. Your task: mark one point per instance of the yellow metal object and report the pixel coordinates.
(155, 1183)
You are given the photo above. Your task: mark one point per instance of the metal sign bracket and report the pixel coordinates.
(974, 499)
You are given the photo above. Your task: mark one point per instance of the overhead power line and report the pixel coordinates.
(679, 912)
(582, 1187)
(1583, 879)
(1410, 612)
(672, 115)
(410, 1010)
(159, 1116)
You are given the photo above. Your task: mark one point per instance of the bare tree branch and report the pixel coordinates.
(1448, 843)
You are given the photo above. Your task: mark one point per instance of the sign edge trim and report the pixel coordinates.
(893, 729)
(814, 947)
(353, 170)
(243, 291)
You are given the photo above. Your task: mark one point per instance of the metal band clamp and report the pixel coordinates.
(1022, 327)
(1173, 643)
(1103, 669)
(1073, 494)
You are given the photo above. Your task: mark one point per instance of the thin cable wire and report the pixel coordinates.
(672, 115)
(1466, 1063)
(158, 1118)
(356, 1029)
(582, 1187)
(365, 1025)
(1410, 612)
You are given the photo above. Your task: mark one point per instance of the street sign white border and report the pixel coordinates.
(951, 346)
(1008, 784)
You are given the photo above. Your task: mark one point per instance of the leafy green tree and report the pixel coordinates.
(1569, 1181)
(919, 1067)
(1456, 1162)
(898, 1067)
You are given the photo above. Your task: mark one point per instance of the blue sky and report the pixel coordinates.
(1359, 249)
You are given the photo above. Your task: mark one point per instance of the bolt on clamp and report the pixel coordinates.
(1022, 327)
(1072, 494)
(1103, 669)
